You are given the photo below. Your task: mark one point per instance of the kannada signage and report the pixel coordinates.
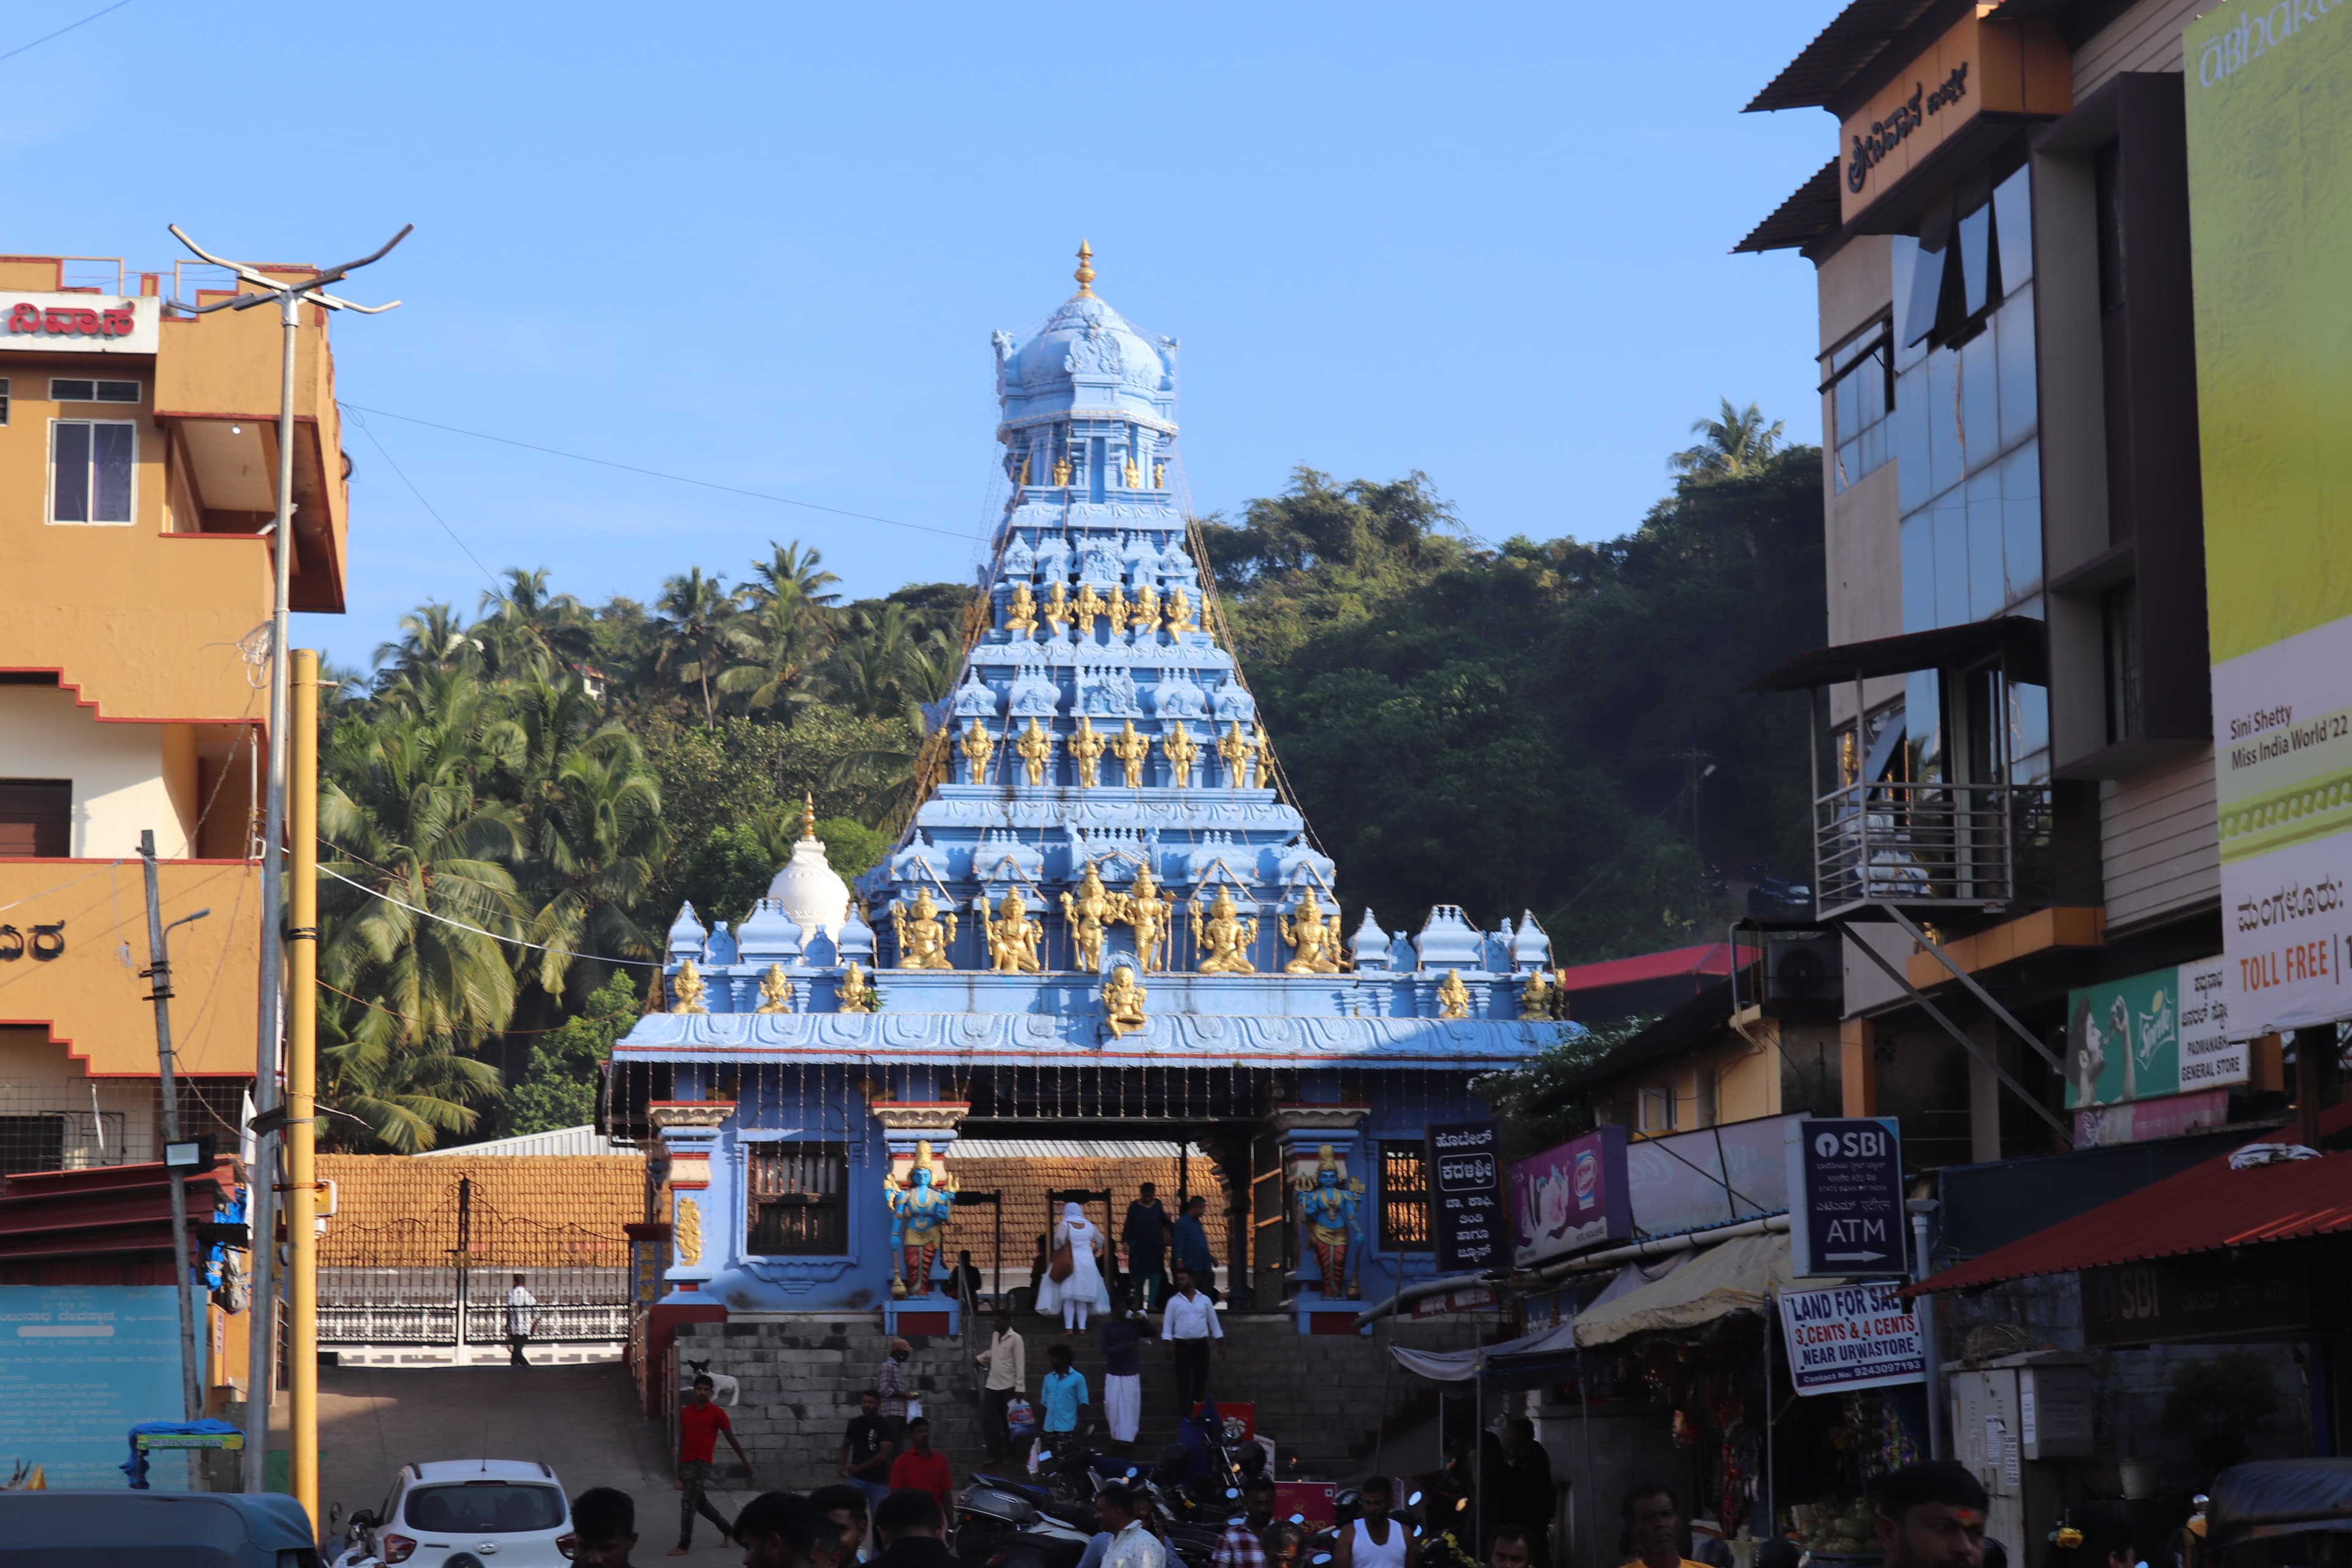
(110, 1356)
(79, 323)
(1846, 1195)
(1571, 1198)
(1981, 66)
(2163, 1032)
(2190, 1299)
(2270, 181)
(1465, 1196)
(1856, 1336)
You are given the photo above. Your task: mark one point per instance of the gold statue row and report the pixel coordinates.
(1128, 471)
(1147, 612)
(689, 991)
(1245, 756)
(1223, 935)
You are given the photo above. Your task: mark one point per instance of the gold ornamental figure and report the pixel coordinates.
(1224, 937)
(1117, 610)
(1013, 935)
(856, 994)
(1158, 476)
(1182, 752)
(1021, 613)
(1146, 618)
(1056, 609)
(1122, 1000)
(1264, 745)
(1036, 750)
(1314, 938)
(1085, 746)
(686, 990)
(775, 991)
(1087, 608)
(1152, 915)
(977, 746)
(1132, 748)
(1453, 996)
(1062, 472)
(1235, 751)
(1131, 474)
(1179, 613)
(1087, 912)
(1537, 996)
(924, 932)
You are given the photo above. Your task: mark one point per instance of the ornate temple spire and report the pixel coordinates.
(1086, 272)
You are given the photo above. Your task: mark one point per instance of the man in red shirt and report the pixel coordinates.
(921, 1470)
(699, 1425)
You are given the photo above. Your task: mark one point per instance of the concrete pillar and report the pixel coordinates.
(1858, 1065)
(1985, 1092)
(705, 1217)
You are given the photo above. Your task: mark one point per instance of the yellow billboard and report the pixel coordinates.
(2270, 175)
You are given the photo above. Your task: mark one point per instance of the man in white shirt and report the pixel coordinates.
(1131, 1545)
(1006, 1359)
(1187, 1325)
(520, 1302)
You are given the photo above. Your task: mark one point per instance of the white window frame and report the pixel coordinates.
(49, 465)
(1661, 1096)
(137, 386)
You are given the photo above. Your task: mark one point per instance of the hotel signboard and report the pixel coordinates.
(79, 323)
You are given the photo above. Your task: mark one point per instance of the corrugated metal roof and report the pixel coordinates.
(1811, 210)
(2206, 1208)
(562, 1141)
(1841, 53)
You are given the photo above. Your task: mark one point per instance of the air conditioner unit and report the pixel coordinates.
(1804, 975)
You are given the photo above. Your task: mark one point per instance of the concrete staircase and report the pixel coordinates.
(1323, 1399)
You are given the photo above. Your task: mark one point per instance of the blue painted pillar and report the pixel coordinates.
(706, 1192)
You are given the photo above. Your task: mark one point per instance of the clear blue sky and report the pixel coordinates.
(766, 245)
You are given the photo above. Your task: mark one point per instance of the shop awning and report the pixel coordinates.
(2021, 643)
(1734, 1276)
(1532, 1358)
(2206, 1208)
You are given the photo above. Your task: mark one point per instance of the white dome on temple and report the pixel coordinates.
(808, 889)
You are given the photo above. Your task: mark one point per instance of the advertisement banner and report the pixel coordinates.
(2270, 181)
(1465, 1196)
(1857, 1336)
(80, 1366)
(1846, 1195)
(1571, 1199)
(2151, 1035)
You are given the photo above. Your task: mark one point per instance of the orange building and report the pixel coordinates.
(138, 476)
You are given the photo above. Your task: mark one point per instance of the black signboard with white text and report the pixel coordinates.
(1468, 1225)
(1845, 1196)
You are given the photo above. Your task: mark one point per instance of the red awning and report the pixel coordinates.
(1707, 958)
(2206, 1208)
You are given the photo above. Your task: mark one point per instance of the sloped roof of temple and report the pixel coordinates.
(1098, 793)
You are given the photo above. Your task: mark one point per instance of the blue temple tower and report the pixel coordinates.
(1103, 919)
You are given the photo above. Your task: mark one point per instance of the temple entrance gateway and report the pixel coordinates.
(1104, 920)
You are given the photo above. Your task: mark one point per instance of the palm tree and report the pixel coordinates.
(407, 1098)
(596, 845)
(526, 630)
(783, 635)
(693, 633)
(791, 570)
(1736, 444)
(430, 639)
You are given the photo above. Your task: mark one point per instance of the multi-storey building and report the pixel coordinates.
(138, 479)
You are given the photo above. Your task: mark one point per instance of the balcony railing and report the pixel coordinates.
(1932, 846)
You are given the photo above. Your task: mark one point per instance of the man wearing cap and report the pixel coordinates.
(893, 1385)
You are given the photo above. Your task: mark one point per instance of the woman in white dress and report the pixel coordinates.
(1083, 1291)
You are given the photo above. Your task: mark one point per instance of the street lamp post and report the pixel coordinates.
(290, 297)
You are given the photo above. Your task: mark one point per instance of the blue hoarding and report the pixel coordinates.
(80, 1366)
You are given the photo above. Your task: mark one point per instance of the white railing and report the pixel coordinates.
(1931, 844)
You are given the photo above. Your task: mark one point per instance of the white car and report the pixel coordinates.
(466, 1513)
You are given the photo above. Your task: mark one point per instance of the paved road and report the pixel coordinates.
(579, 1420)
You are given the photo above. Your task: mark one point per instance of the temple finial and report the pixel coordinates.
(1086, 272)
(808, 817)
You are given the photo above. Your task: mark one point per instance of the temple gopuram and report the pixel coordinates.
(1104, 919)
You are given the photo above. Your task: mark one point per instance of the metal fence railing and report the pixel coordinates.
(1925, 845)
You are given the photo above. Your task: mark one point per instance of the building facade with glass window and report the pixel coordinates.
(2013, 761)
(138, 466)
(1104, 920)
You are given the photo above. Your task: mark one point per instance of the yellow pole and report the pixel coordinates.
(302, 1081)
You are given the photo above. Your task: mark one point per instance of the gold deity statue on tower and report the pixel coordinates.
(1021, 613)
(1151, 913)
(686, 990)
(1182, 752)
(1453, 996)
(1314, 938)
(1224, 937)
(1087, 608)
(1147, 611)
(1132, 748)
(1122, 1000)
(1117, 610)
(1235, 751)
(924, 932)
(775, 991)
(1036, 750)
(1087, 912)
(977, 746)
(1179, 613)
(1056, 609)
(1013, 935)
(1085, 746)
(1537, 996)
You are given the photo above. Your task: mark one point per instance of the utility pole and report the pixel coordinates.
(302, 1087)
(262, 1209)
(159, 971)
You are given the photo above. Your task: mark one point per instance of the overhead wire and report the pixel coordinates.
(61, 32)
(477, 930)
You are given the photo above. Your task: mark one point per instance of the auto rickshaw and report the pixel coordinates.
(2276, 1513)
